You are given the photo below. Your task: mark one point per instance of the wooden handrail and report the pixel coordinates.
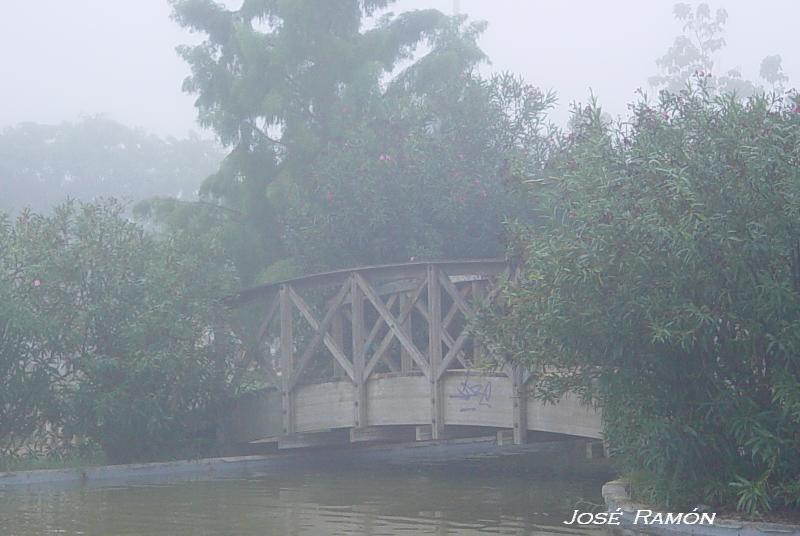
(377, 273)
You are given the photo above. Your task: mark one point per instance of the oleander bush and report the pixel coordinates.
(108, 333)
(665, 287)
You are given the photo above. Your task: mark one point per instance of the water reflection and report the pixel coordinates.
(345, 502)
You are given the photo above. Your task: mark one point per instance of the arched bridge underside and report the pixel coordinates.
(384, 353)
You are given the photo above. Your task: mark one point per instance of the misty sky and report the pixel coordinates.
(61, 59)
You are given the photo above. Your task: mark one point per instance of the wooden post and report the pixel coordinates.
(520, 405)
(477, 301)
(435, 351)
(359, 365)
(287, 361)
(406, 363)
(337, 332)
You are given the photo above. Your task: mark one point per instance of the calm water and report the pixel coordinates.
(412, 501)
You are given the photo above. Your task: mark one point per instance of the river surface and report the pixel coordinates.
(446, 500)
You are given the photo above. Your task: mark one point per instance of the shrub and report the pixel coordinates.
(121, 325)
(665, 286)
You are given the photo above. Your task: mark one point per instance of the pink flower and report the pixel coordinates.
(36, 282)
(329, 196)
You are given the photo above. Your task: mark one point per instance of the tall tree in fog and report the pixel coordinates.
(41, 165)
(424, 178)
(692, 54)
(278, 80)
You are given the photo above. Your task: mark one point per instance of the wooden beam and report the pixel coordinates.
(337, 333)
(321, 330)
(405, 312)
(391, 321)
(360, 401)
(287, 361)
(477, 302)
(446, 337)
(454, 310)
(456, 296)
(476, 268)
(454, 351)
(519, 394)
(378, 324)
(406, 363)
(376, 328)
(435, 351)
(337, 352)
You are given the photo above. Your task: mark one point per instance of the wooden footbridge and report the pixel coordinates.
(385, 353)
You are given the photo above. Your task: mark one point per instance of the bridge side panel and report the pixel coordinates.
(399, 400)
(568, 416)
(473, 399)
(324, 405)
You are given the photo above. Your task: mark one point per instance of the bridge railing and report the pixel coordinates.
(350, 325)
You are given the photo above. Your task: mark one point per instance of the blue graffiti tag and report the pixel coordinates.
(466, 391)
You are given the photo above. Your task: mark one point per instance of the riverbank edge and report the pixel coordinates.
(201, 467)
(421, 452)
(617, 498)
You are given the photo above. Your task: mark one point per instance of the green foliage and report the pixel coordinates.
(347, 145)
(27, 368)
(426, 178)
(69, 456)
(271, 79)
(121, 325)
(42, 165)
(665, 288)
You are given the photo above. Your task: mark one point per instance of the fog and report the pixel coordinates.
(382, 288)
(64, 59)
